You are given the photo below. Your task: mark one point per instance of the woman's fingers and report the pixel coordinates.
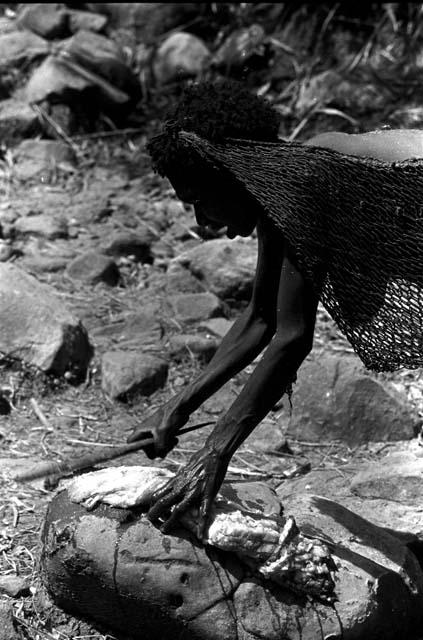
(177, 511)
(162, 491)
(139, 434)
(162, 500)
(203, 518)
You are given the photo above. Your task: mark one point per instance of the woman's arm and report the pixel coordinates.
(246, 339)
(296, 315)
(201, 479)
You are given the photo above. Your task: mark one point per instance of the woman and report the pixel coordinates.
(337, 219)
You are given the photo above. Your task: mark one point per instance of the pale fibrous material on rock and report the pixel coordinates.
(271, 546)
(123, 487)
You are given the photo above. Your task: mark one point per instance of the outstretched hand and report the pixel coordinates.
(195, 485)
(163, 424)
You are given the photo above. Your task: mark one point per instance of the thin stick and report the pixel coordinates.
(31, 627)
(40, 415)
(109, 134)
(58, 129)
(44, 469)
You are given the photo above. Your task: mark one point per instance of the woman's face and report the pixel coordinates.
(219, 207)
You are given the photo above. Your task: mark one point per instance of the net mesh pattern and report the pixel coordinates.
(355, 226)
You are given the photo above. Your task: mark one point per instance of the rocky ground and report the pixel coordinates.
(95, 242)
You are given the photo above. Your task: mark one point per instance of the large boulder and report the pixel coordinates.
(148, 585)
(226, 267)
(335, 398)
(37, 327)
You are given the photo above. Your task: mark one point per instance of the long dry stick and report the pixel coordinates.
(44, 469)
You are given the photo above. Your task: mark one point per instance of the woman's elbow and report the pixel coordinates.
(263, 322)
(264, 328)
(298, 341)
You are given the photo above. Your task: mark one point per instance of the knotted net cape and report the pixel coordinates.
(355, 226)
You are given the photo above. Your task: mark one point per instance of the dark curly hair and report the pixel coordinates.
(215, 111)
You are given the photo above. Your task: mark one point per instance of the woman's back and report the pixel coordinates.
(390, 145)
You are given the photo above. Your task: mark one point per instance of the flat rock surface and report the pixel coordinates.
(360, 487)
(334, 398)
(154, 585)
(398, 478)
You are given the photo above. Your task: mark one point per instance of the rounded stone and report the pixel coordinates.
(92, 268)
(180, 55)
(126, 374)
(226, 267)
(149, 585)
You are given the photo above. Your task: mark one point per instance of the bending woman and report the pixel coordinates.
(337, 219)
